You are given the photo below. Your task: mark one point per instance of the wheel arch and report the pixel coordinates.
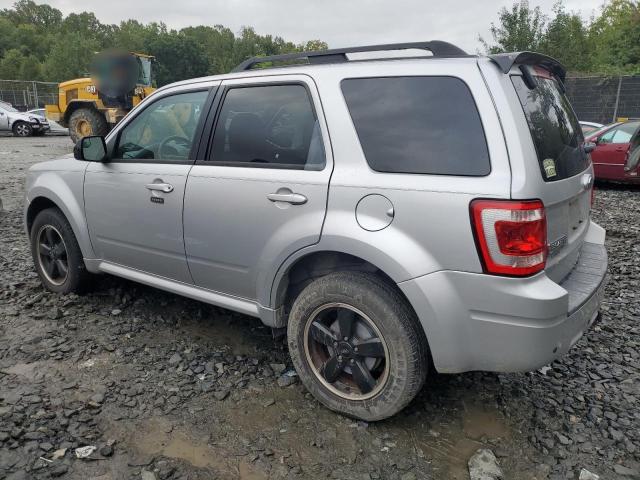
(58, 195)
(308, 264)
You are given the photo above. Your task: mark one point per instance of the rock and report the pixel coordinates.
(287, 380)
(59, 470)
(587, 475)
(115, 312)
(278, 368)
(483, 465)
(140, 460)
(221, 394)
(175, 359)
(147, 475)
(106, 451)
(626, 471)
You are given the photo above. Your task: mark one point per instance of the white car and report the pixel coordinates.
(54, 127)
(21, 124)
(590, 127)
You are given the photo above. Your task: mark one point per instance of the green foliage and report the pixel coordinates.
(520, 28)
(607, 43)
(39, 43)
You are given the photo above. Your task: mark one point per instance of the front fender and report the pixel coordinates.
(65, 189)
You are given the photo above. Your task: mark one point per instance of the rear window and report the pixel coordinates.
(423, 125)
(555, 130)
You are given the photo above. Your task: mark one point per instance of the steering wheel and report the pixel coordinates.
(172, 149)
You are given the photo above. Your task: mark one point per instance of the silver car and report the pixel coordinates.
(21, 124)
(396, 215)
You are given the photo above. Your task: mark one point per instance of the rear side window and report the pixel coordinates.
(268, 126)
(423, 125)
(554, 128)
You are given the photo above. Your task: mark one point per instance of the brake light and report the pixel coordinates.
(511, 236)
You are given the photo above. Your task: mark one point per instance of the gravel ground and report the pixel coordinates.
(168, 388)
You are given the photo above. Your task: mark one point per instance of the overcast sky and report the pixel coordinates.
(338, 22)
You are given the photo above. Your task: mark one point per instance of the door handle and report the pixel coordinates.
(620, 149)
(292, 198)
(160, 187)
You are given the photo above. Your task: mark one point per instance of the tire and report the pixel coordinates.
(22, 129)
(77, 278)
(85, 122)
(393, 320)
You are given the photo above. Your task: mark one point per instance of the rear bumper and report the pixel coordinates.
(484, 322)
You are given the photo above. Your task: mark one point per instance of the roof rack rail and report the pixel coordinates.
(339, 55)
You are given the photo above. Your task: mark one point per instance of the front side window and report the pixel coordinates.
(268, 126)
(620, 134)
(421, 125)
(164, 130)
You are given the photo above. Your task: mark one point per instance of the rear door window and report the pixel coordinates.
(422, 125)
(268, 126)
(554, 128)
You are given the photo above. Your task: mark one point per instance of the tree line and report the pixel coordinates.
(38, 43)
(606, 43)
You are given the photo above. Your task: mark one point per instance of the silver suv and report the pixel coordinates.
(395, 215)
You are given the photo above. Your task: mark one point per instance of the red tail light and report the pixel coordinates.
(511, 236)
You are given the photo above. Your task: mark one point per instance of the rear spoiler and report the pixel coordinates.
(507, 60)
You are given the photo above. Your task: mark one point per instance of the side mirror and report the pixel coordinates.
(91, 149)
(589, 147)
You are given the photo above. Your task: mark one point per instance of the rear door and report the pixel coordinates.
(260, 193)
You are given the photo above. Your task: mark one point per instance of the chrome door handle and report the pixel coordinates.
(292, 198)
(160, 187)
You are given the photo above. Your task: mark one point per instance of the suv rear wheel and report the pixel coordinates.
(357, 345)
(56, 253)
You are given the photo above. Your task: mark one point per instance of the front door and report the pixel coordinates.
(611, 150)
(261, 193)
(133, 202)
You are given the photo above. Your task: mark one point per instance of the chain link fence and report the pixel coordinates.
(26, 95)
(605, 99)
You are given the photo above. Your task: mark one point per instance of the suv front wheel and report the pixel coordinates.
(56, 253)
(357, 345)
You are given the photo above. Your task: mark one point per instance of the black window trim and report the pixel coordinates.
(484, 133)
(211, 128)
(114, 143)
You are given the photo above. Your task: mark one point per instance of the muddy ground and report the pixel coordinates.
(169, 388)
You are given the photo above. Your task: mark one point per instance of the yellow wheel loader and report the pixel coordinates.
(94, 105)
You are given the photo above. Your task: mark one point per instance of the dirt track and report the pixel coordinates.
(168, 388)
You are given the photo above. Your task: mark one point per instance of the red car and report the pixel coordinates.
(613, 150)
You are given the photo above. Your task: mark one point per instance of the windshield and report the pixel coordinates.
(145, 71)
(554, 128)
(7, 107)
